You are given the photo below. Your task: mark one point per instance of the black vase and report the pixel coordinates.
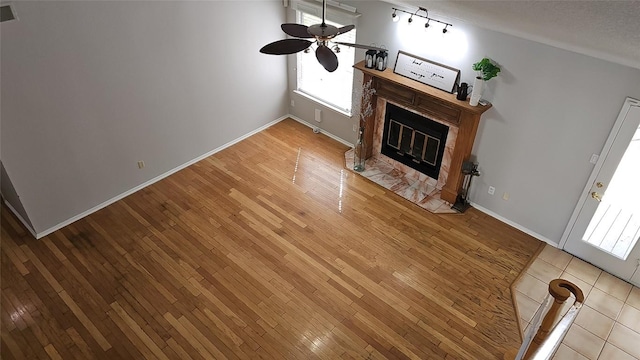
(463, 91)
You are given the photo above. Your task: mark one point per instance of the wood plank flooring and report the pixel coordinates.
(268, 249)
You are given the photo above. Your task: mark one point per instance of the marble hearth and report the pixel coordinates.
(411, 185)
(439, 106)
(403, 180)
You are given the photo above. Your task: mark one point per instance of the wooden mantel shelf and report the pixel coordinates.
(392, 77)
(435, 104)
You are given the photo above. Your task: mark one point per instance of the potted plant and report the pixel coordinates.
(487, 70)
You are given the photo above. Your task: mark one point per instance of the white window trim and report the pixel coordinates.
(334, 15)
(325, 104)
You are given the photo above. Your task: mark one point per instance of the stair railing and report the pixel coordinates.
(541, 341)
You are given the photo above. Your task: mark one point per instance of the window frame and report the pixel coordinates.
(338, 18)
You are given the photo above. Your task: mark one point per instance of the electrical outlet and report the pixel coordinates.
(293, 103)
(140, 164)
(492, 190)
(505, 196)
(594, 158)
(318, 115)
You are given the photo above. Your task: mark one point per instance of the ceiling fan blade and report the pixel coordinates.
(286, 46)
(345, 29)
(327, 58)
(296, 30)
(359, 46)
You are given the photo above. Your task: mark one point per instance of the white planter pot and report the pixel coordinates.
(476, 93)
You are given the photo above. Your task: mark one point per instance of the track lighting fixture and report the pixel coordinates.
(395, 18)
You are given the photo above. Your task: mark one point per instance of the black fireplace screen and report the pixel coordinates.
(414, 140)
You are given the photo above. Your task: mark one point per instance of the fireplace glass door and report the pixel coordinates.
(420, 146)
(414, 140)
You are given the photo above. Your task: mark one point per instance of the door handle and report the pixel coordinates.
(596, 196)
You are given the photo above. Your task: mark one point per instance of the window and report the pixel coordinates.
(334, 89)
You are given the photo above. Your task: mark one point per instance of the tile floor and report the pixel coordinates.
(608, 325)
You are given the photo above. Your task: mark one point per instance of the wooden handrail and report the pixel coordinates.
(543, 346)
(560, 290)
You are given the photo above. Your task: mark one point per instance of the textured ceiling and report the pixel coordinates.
(609, 30)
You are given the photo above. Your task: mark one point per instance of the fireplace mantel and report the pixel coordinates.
(433, 103)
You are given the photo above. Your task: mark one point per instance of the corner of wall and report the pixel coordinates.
(151, 181)
(12, 199)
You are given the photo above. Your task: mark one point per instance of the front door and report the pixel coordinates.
(605, 228)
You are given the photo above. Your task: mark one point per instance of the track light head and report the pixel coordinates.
(444, 31)
(395, 16)
(426, 26)
(410, 19)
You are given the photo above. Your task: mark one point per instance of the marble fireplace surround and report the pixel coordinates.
(378, 133)
(437, 105)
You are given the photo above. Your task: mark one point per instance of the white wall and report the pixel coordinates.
(552, 110)
(90, 88)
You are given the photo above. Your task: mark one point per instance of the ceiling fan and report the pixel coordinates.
(322, 33)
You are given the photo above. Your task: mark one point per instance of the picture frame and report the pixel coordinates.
(428, 72)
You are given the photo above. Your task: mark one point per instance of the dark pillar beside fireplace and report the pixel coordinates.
(433, 103)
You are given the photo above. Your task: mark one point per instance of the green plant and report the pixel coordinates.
(488, 68)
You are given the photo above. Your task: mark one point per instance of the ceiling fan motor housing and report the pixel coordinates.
(323, 30)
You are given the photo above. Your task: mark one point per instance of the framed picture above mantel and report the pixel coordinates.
(426, 71)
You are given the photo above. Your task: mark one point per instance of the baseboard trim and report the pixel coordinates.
(152, 181)
(515, 225)
(322, 131)
(39, 235)
(19, 217)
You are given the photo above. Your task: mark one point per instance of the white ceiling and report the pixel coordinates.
(605, 29)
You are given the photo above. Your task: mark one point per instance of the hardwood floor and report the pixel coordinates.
(268, 249)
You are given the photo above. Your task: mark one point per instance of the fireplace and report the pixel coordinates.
(414, 140)
(460, 118)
